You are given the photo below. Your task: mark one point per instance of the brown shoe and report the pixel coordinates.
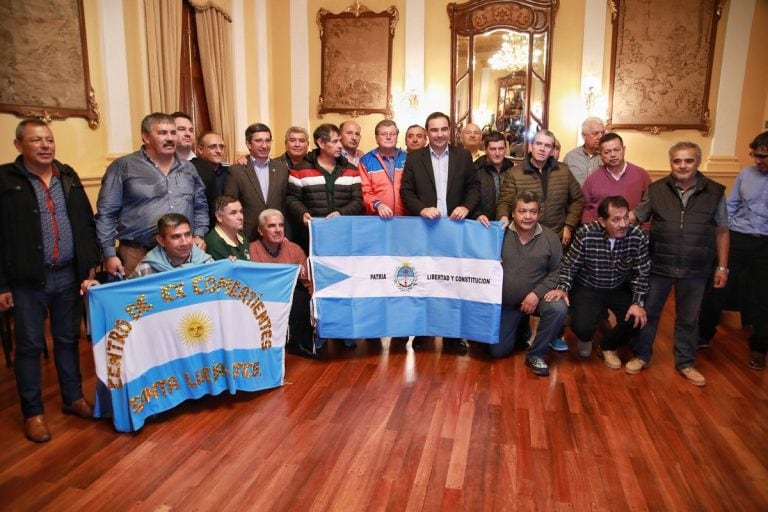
(757, 360)
(693, 376)
(635, 366)
(82, 408)
(611, 359)
(36, 429)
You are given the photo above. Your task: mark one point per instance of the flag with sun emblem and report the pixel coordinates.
(406, 276)
(200, 330)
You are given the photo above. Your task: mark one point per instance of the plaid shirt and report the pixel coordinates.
(591, 262)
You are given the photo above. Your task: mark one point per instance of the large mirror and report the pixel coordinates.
(500, 66)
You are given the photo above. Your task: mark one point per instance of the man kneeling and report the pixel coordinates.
(530, 257)
(273, 247)
(174, 248)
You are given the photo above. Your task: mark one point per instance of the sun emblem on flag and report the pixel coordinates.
(406, 277)
(195, 328)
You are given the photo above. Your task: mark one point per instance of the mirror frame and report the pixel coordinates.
(477, 17)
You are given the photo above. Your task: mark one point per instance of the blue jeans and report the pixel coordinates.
(61, 299)
(552, 317)
(688, 295)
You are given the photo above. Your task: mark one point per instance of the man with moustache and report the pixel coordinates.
(226, 239)
(616, 177)
(350, 140)
(748, 256)
(211, 168)
(605, 268)
(47, 249)
(689, 245)
(439, 181)
(185, 131)
(296, 146)
(259, 184)
(586, 158)
(415, 138)
(530, 257)
(139, 188)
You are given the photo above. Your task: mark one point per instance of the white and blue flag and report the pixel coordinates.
(406, 276)
(199, 330)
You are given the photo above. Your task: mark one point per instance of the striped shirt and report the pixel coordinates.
(592, 262)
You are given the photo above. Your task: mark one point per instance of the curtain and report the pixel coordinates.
(214, 38)
(163, 21)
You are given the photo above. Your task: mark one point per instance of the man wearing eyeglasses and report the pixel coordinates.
(748, 256)
(211, 167)
(259, 184)
(688, 240)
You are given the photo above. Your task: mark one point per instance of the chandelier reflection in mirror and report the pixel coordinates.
(513, 54)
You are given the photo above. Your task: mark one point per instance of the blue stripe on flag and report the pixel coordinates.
(405, 236)
(155, 391)
(408, 316)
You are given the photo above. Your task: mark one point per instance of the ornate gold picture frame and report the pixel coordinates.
(661, 64)
(44, 67)
(356, 68)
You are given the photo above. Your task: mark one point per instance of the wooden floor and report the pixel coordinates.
(382, 428)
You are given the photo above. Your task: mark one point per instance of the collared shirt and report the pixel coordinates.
(440, 168)
(389, 164)
(748, 202)
(262, 174)
(582, 163)
(58, 241)
(594, 262)
(351, 158)
(135, 194)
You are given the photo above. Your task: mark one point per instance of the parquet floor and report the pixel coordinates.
(382, 428)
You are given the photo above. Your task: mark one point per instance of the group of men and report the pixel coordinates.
(571, 238)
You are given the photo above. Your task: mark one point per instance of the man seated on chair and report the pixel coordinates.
(226, 239)
(273, 247)
(175, 247)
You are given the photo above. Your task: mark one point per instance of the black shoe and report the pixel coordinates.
(298, 350)
(419, 342)
(457, 345)
(537, 365)
(757, 360)
(400, 339)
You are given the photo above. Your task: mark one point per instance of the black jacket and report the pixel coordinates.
(21, 239)
(487, 187)
(682, 240)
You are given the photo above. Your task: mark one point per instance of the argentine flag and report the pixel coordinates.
(200, 330)
(406, 276)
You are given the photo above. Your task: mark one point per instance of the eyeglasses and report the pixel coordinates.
(758, 156)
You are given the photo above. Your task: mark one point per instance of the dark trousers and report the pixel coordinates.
(748, 279)
(299, 325)
(61, 299)
(589, 306)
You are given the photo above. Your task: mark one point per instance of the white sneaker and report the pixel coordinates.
(584, 348)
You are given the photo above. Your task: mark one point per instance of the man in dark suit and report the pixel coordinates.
(259, 184)
(211, 168)
(439, 181)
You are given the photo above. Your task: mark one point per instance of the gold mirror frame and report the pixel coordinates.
(534, 18)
